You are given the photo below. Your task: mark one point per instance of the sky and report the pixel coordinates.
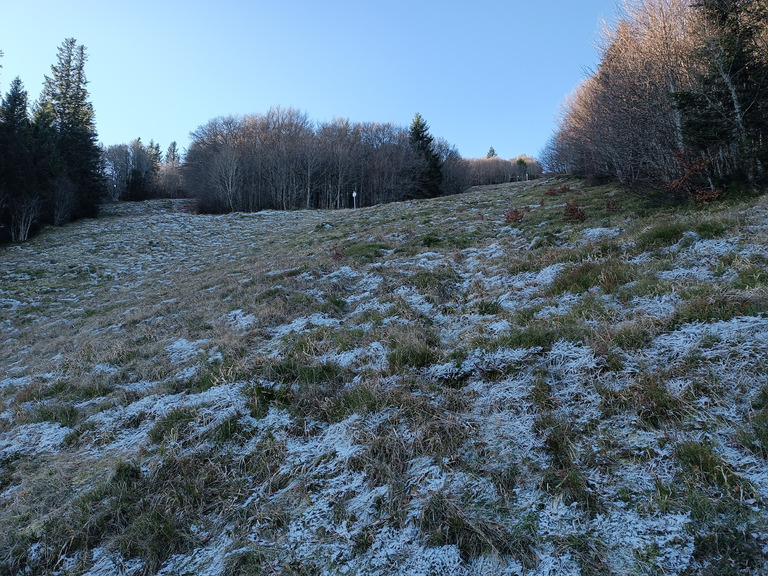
(482, 73)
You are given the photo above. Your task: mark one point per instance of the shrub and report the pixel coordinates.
(573, 212)
(513, 215)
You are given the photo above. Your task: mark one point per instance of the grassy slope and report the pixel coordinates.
(424, 387)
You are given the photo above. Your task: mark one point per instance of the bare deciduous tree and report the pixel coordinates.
(24, 213)
(282, 160)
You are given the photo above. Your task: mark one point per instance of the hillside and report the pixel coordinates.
(534, 378)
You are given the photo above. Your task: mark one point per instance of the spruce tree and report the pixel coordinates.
(428, 175)
(172, 155)
(17, 186)
(15, 138)
(50, 177)
(725, 117)
(66, 91)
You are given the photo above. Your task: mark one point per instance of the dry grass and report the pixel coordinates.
(364, 390)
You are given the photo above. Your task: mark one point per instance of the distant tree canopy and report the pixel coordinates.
(50, 166)
(679, 100)
(53, 171)
(283, 160)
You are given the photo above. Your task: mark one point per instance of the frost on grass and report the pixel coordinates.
(183, 350)
(32, 439)
(340, 400)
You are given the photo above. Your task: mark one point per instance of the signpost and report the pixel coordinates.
(354, 198)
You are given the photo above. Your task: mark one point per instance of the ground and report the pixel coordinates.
(533, 378)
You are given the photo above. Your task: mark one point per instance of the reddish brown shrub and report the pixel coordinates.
(573, 212)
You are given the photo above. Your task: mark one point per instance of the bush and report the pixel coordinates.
(573, 212)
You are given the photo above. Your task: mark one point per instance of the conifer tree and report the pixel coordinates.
(725, 117)
(22, 199)
(55, 188)
(429, 171)
(172, 155)
(66, 92)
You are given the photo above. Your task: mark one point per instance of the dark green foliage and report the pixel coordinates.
(412, 355)
(727, 113)
(700, 461)
(66, 93)
(724, 526)
(50, 170)
(20, 197)
(428, 170)
(489, 307)
(64, 414)
(361, 399)
(712, 228)
(708, 307)
(577, 279)
(294, 371)
(590, 553)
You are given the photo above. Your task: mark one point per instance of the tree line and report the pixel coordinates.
(52, 169)
(283, 160)
(50, 162)
(679, 99)
(138, 171)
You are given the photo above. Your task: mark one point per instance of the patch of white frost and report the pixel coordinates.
(653, 306)
(564, 304)
(31, 439)
(301, 324)
(596, 234)
(210, 559)
(183, 350)
(629, 535)
(240, 320)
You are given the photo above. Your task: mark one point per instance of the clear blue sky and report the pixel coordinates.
(482, 73)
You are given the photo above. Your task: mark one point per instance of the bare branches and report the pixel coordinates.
(676, 80)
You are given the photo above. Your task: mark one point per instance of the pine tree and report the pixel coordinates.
(491, 153)
(66, 91)
(428, 175)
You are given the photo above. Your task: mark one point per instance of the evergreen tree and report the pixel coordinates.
(15, 139)
(66, 91)
(17, 184)
(491, 153)
(55, 188)
(726, 117)
(172, 155)
(428, 175)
